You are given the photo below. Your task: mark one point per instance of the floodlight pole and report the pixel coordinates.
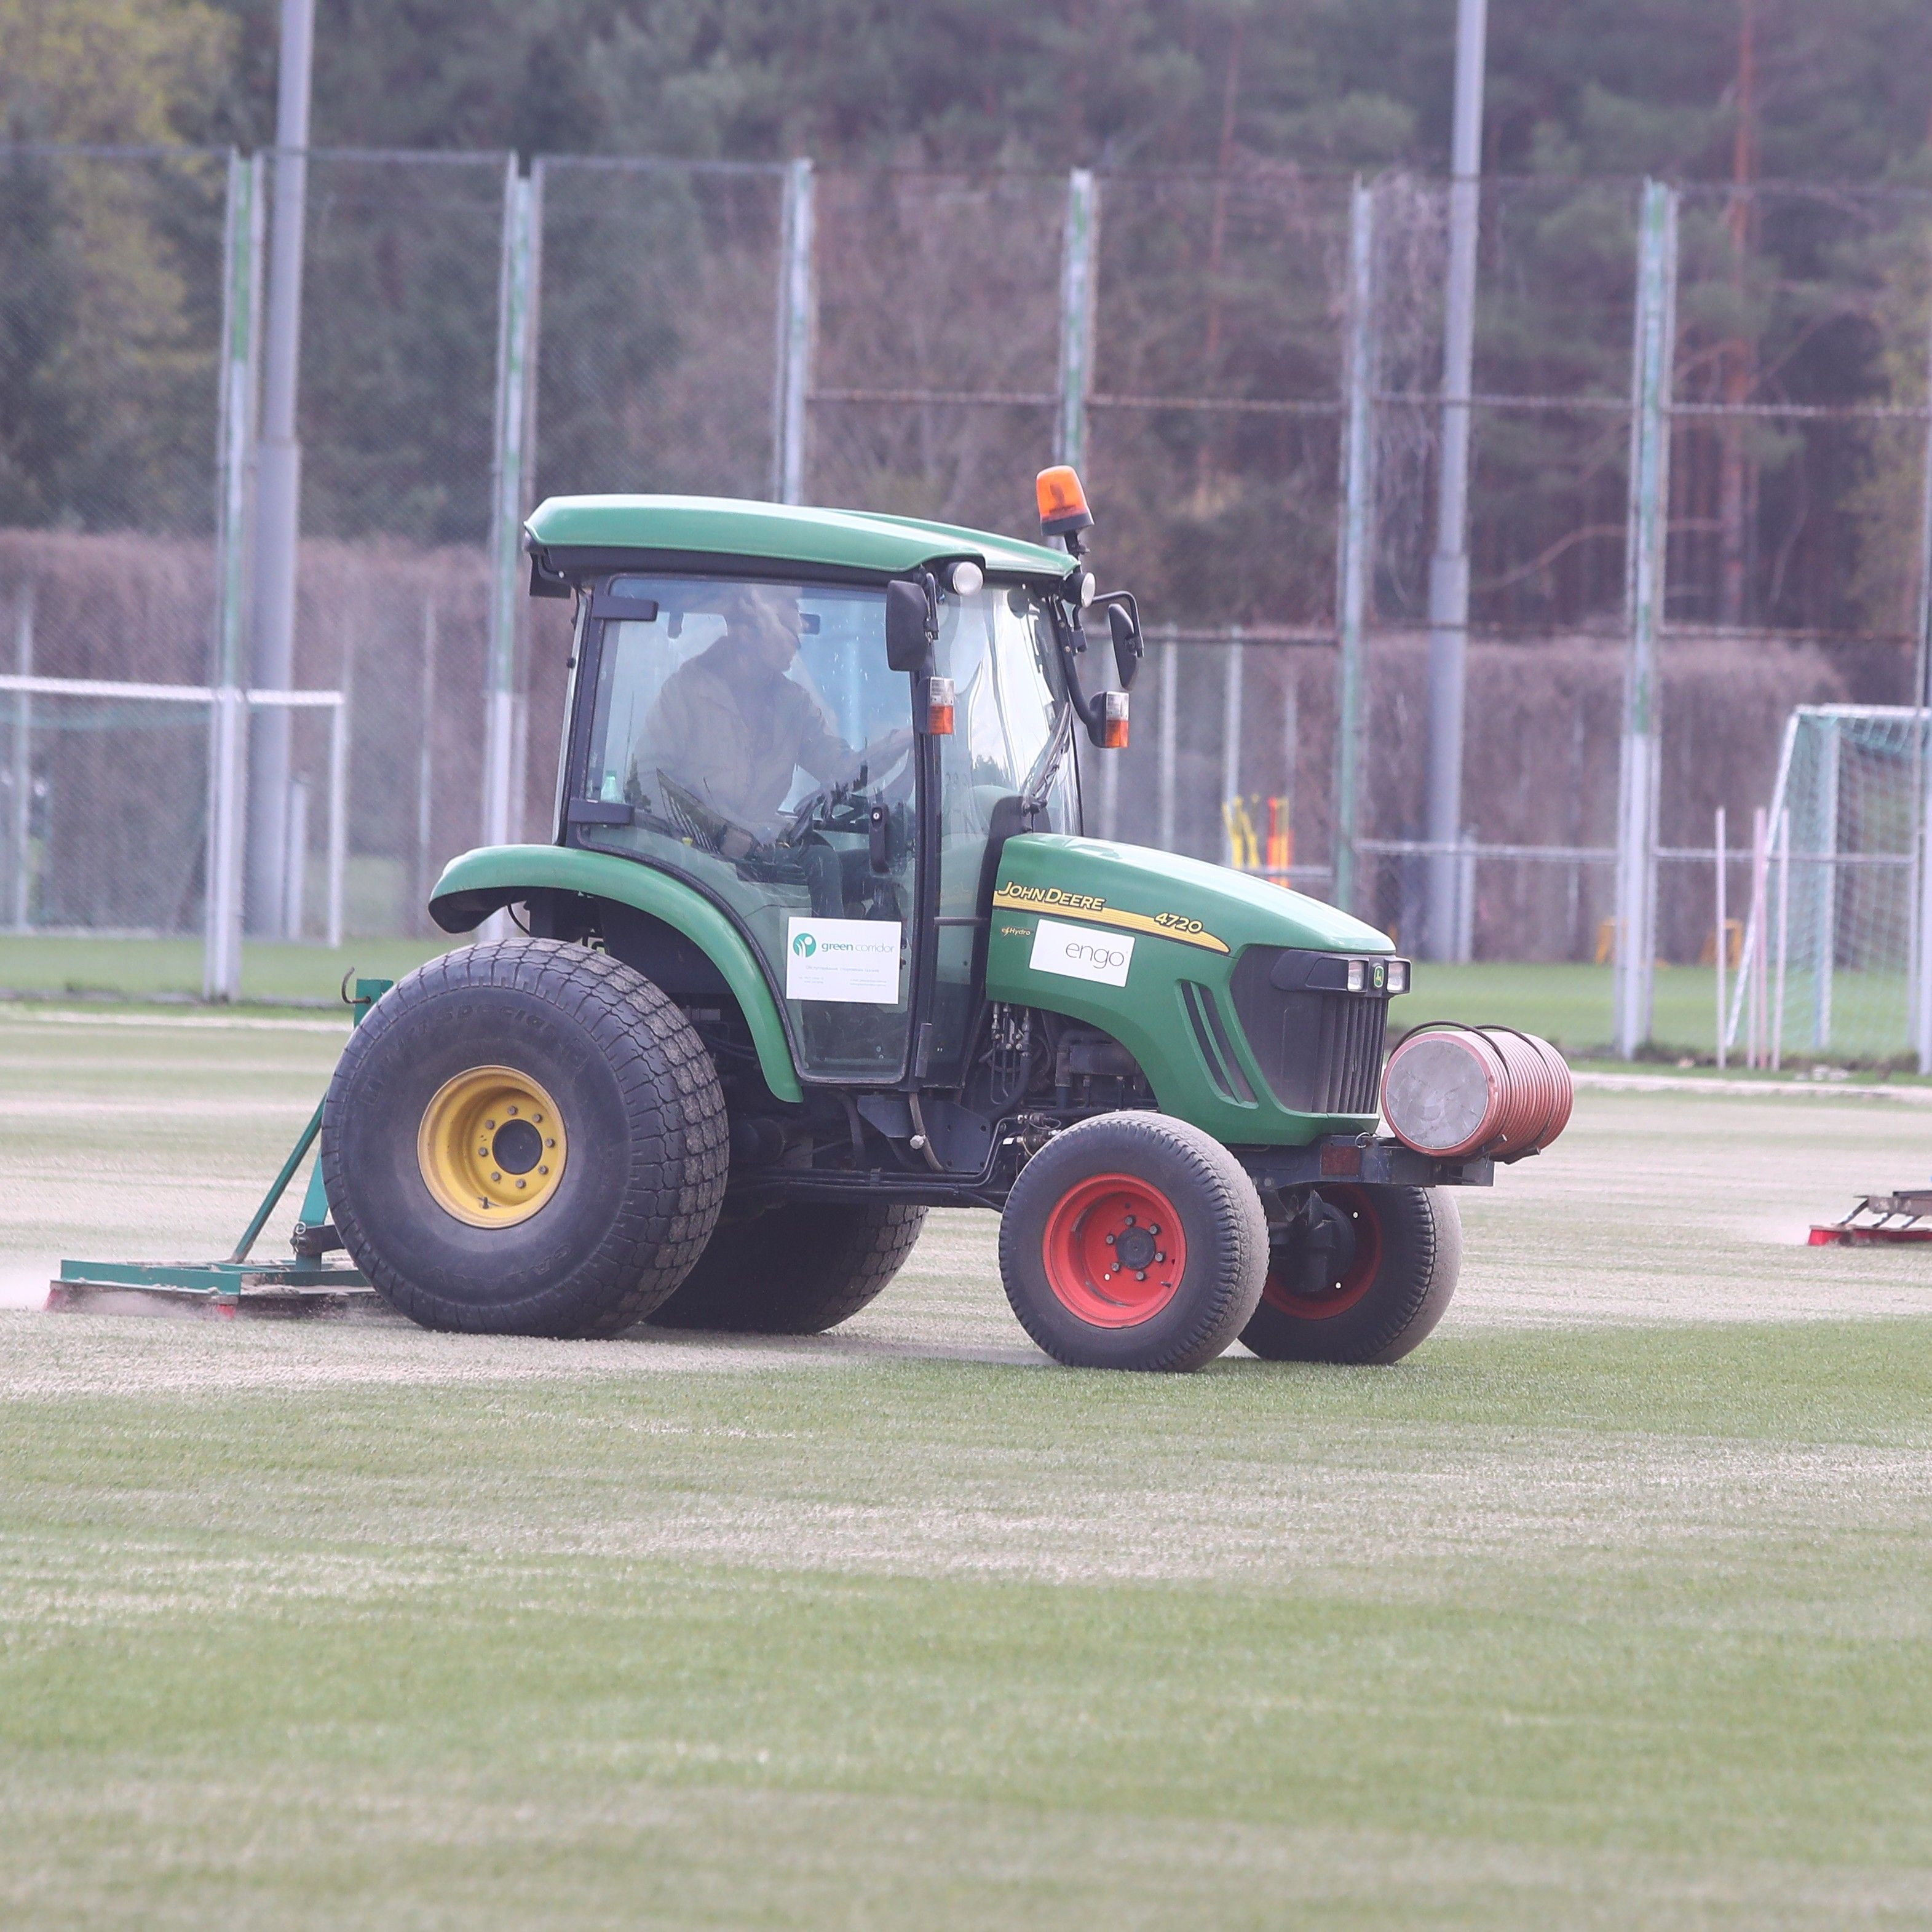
(228, 738)
(1076, 317)
(1647, 526)
(278, 475)
(794, 345)
(1921, 988)
(1449, 568)
(515, 312)
(1356, 537)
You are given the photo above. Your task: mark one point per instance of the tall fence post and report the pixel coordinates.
(1076, 316)
(228, 734)
(515, 331)
(1232, 694)
(1921, 988)
(278, 518)
(1356, 536)
(23, 826)
(793, 374)
(1648, 527)
(1170, 680)
(1449, 568)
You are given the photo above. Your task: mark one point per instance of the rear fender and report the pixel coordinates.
(478, 883)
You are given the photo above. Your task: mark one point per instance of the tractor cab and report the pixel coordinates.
(824, 724)
(750, 735)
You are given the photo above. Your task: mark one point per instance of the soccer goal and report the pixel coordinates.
(1834, 954)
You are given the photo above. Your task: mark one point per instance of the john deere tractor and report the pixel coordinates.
(817, 943)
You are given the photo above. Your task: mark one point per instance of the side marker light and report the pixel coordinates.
(939, 705)
(1113, 721)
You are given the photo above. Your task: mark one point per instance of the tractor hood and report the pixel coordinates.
(1135, 889)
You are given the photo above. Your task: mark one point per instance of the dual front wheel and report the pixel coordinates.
(1136, 1241)
(530, 1138)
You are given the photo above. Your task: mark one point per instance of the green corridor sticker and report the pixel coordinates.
(851, 961)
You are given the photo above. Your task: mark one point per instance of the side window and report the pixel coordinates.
(750, 738)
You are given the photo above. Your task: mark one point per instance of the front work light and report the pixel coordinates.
(1113, 720)
(966, 578)
(1063, 503)
(939, 705)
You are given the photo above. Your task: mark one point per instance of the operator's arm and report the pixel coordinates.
(815, 745)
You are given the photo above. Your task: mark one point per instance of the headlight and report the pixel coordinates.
(1398, 976)
(1357, 975)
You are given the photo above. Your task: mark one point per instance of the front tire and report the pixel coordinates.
(797, 1269)
(525, 1139)
(1133, 1241)
(1364, 1278)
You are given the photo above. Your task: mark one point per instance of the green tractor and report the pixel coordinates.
(817, 944)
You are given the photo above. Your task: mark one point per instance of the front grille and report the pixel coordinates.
(1320, 1050)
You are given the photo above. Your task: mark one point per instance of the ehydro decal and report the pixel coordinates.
(1079, 952)
(851, 961)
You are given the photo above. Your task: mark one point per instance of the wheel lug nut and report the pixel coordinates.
(520, 1183)
(550, 1143)
(495, 1177)
(1141, 1275)
(510, 1110)
(1153, 1227)
(489, 1123)
(543, 1170)
(1110, 1240)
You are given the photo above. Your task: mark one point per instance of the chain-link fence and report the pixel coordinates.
(1250, 369)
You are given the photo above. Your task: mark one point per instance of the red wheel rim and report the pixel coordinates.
(1099, 1231)
(1356, 1277)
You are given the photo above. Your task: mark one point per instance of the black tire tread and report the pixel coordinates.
(1222, 1309)
(797, 1269)
(1397, 1315)
(654, 1054)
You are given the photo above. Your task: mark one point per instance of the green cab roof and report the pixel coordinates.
(730, 526)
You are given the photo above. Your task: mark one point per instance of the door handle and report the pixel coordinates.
(879, 826)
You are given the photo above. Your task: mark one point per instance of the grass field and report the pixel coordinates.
(1569, 1004)
(1613, 1606)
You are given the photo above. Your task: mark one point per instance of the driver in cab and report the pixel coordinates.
(729, 725)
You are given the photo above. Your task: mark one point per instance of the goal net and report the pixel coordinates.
(1832, 931)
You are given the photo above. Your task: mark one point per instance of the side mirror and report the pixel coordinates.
(1130, 646)
(908, 635)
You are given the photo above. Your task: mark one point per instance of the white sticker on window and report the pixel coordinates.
(1081, 953)
(852, 961)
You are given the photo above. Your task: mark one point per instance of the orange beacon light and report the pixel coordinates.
(1063, 503)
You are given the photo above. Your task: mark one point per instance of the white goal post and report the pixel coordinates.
(228, 707)
(1840, 911)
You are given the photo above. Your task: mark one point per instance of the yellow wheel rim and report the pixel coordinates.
(491, 1147)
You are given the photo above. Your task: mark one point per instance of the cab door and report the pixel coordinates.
(750, 738)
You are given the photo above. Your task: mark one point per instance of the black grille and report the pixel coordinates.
(1320, 1050)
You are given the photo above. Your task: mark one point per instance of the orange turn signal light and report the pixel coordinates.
(1063, 503)
(1113, 720)
(939, 707)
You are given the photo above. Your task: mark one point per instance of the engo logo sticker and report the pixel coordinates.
(1079, 952)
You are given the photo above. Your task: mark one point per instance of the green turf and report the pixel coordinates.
(143, 968)
(1590, 1614)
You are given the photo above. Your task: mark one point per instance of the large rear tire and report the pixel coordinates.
(527, 1139)
(1363, 1278)
(1133, 1241)
(797, 1269)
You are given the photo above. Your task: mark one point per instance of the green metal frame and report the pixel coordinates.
(476, 884)
(223, 1281)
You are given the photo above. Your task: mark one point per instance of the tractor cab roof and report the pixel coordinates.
(585, 530)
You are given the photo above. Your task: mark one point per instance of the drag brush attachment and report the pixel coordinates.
(1453, 1091)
